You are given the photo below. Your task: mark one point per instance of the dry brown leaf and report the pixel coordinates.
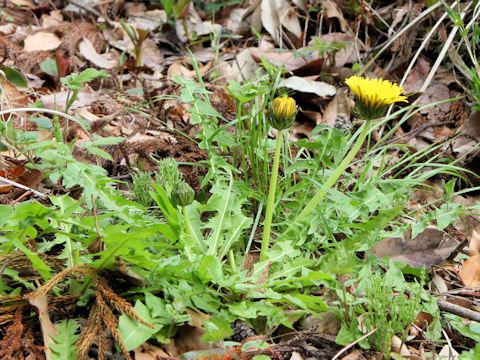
(23, 3)
(88, 51)
(151, 54)
(346, 55)
(5, 188)
(439, 284)
(326, 323)
(57, 100)
(399, 347)
(148, 20)
(178, 69)
(55, 18)
(12, 96)
(149, 352)
(289, 59)
(438, 90)
(431, 247)
(474, 243)
(296, 356)
(338, 110)
(354, 355)
(278, 13)
(7, 29)
(469, 273)
(315, 116)
(194, 24)
(235, 23)
(189, 339)
(331, 10)
(41, 41)
(448, 352)
(244, 65)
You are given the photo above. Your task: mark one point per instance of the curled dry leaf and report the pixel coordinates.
(235, 22)
(88, 51)
(300, 84)
(41, 41)
(278, 13)
(331, 10)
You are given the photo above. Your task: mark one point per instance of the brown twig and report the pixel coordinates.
(349, 346)
(91, 11)
(411, 134)
(23, 187)
(459, 310)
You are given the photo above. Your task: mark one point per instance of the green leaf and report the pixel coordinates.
(49, 66)
(99, 152)
(111, 140)
(14, 76)
(133, 333)
(63, 346)
(76, 81)
(446, 215)
(42, 123)
(217, 328)
(43, 269)
(469, 329)
(210, 269)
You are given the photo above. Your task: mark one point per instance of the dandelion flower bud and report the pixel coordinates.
(182, 194)
(282, 112)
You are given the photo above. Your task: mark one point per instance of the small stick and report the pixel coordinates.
(91, 11)
(459, 310)
(20, 186)
(349, 346)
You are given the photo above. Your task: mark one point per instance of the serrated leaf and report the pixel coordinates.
(63, 346)
(133, 333)
(76, 81)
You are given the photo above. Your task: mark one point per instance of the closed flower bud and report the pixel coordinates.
(282, 112)
(182, 194)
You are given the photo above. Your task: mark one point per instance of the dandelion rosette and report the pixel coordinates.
(372, 96)
(282, 112)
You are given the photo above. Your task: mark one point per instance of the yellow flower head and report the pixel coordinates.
(372, 96)
(282, 112)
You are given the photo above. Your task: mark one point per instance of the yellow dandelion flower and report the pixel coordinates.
(372, 96)
(282, 112)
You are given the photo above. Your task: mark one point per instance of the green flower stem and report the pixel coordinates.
(332, 180)
(267, 224)
(189, 232)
